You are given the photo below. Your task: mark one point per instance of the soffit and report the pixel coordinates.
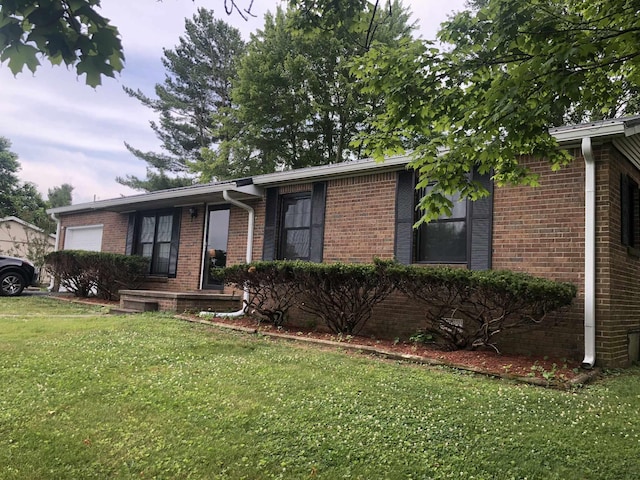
(630, 148)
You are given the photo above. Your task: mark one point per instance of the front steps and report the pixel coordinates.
(135, 301)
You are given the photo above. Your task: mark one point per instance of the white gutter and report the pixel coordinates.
(57, 245)
(589, 255)
(249, 256)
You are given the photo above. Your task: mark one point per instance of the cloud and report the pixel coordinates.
(92, 175)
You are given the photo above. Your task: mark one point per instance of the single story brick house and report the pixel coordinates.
(581, 225)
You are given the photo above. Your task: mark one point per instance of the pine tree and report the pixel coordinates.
(197, 85)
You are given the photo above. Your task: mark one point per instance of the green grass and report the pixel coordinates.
(86, 395)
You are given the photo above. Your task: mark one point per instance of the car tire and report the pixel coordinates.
(11, 284)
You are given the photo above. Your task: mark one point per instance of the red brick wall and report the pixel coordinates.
(540, 230)
(189, 253)
(114, 232)
(360, 218)
(114, 236)
(618, 270)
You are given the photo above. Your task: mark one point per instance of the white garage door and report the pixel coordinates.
(83, 238)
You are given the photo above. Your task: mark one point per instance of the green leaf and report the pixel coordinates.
(20, 55)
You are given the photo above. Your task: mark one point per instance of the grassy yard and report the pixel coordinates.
(87, 395)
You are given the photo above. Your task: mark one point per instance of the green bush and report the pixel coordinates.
(341, 295)
(271, 285)
(84, 273)
(466, 309)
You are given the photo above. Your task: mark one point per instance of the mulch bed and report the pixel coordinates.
(543, 371)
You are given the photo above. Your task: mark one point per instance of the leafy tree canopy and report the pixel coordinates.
(156, 180)
(296, 103)
(69, 31)
(507, 73)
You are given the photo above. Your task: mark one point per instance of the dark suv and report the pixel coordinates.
(15, 275)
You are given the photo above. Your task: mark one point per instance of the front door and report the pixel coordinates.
(216, 245)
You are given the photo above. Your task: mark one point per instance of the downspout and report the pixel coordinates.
(249, 256)
(589, 255)
(56, 247)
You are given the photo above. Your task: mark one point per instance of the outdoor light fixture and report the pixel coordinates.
(193, 211)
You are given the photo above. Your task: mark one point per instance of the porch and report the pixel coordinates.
(152, 300)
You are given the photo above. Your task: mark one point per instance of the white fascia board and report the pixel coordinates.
(327, 171)
(568, 135)
(172, 194)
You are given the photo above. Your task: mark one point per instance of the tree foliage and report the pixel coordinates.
(72, 32)
(197, 86)
(19, 199)
(297, 104)
(60, 196)
(507, 73)
(65, 31)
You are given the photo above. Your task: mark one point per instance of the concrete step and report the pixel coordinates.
(139, 305)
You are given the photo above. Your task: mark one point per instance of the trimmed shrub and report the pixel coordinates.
(341, 295)
(87, 273)
(271, 285)
(465, 309)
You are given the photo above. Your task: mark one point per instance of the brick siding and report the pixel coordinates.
(539, 230)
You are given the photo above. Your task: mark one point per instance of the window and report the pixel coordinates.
(154, 241)
(294, 224)
(629, 199)
(464, 237)
(155, 235)
(295, 227)
(444, 240)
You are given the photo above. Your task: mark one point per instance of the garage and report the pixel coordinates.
(87, 237)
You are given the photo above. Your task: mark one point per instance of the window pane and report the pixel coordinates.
(443, 242)
(147, 229)
(161, 262)
(164, 228)
(147, 250)
(296, 244)
(459, 209)
(297, 213)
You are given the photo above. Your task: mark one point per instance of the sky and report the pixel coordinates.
(64, 131)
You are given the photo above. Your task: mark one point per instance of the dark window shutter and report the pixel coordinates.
(175, 242)
(318, 202)
(405, 214)
(131, 234)
(480, 226)
(625, 203)
(270, 224)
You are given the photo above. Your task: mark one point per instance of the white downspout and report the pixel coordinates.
(249, 255)
(589, 255)
(57, 245)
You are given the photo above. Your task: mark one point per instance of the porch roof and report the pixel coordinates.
(211, 193)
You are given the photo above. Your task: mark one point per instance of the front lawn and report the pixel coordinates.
(87, 395)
